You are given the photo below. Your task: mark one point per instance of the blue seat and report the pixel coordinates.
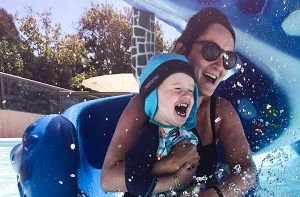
(62, 155)
(44, 162)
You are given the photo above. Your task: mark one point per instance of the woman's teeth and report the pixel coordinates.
(210, 77)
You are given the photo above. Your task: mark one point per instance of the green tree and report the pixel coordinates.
(56, 59)
(10, 51)
(107, 38)
(8, 30)
(102, 46)
(72, 56)
(40, 38)
(160, 44)
(107, 35)
(10, 59)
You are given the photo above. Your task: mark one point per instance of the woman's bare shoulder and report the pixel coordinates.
(222, 102)
(227, 116)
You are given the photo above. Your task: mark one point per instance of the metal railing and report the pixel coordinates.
(20, 94)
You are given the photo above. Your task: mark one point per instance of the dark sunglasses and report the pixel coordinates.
(210, 51)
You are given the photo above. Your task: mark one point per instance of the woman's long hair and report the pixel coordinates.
(197, 25)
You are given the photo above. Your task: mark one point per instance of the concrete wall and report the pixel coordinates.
(14, 123)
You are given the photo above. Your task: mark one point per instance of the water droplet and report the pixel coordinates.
(72, 146)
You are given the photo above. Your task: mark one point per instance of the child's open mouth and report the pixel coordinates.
(181, 109)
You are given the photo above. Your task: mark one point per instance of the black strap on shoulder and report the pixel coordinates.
(213, 115)
(194, 130)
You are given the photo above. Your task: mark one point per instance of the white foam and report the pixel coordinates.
(291, 24)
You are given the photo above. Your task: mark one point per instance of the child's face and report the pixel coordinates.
(175, 99)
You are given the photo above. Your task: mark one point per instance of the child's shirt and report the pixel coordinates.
(153, 143)
(169, 137)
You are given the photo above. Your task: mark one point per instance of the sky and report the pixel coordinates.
(67, 12)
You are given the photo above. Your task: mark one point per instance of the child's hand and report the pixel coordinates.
(185, 174)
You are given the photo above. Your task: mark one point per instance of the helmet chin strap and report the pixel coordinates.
(160, 124)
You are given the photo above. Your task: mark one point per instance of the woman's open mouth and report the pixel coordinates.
(210, 77)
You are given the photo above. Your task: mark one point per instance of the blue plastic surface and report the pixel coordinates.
(62, 155)
(45, 161)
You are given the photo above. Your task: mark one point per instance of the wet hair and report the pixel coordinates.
(199, 23)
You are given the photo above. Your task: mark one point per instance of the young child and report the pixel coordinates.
(170, 94)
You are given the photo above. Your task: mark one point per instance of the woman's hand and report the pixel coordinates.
(205, 193)
(183, 152)
(185, 174)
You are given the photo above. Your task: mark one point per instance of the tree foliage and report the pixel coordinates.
(10, 58)
(8, 30)
(57, 59)
(10, 52)
(41, 38)
(107, 37)
(160, 44)
(40, 52)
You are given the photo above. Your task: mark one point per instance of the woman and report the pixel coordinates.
(207, 42)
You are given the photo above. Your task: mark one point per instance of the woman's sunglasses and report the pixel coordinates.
(211, 51)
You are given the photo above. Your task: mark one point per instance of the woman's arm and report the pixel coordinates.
(236, 149)
(130, 122)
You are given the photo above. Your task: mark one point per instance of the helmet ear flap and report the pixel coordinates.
(151, 104)
(191, 120)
